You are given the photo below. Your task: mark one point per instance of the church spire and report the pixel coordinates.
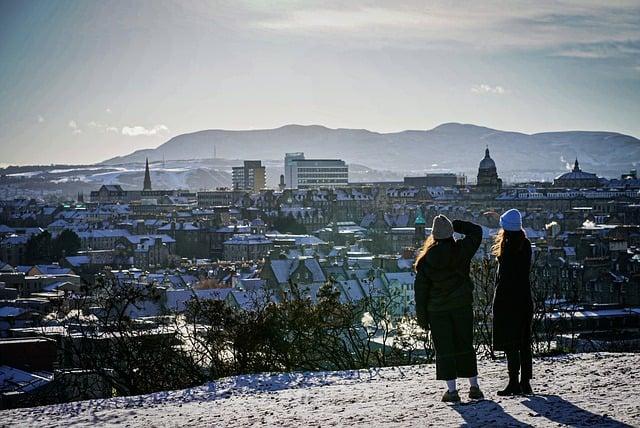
(486, 152)
(147, 177)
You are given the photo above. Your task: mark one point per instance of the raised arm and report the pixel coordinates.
(472, 236)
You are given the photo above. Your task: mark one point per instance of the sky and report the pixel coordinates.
(83, 81)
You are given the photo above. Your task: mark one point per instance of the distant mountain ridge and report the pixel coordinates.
(451, 147)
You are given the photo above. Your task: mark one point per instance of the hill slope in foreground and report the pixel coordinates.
(575, 390)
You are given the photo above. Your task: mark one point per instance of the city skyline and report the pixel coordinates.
(83, 82)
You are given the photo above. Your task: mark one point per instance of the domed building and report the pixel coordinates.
(577, 179)
(488, 180)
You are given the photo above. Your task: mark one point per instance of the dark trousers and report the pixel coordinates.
(452, 335)
(520, 359)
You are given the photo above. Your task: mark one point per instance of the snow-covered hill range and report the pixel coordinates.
(450, 147)
(166, 175)
(599, 390)
(36, 180)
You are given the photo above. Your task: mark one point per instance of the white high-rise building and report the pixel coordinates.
(301, 173)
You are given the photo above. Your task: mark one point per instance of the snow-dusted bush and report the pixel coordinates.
(297, 333)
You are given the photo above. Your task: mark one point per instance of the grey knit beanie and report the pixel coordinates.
(442, 227)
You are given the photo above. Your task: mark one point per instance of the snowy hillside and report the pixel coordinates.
(169, 175)
(34, 181)
(578, 390)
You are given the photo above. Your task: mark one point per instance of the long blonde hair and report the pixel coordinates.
(429, 243)
(498, 244)
(503, 237)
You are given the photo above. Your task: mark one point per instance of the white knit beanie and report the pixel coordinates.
(442, 227)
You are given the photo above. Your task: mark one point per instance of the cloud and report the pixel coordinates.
(108, 110)
(102, 127)
(40, 119)
(135, 131)
(628, 49)
(578, 53)
(74, 127)
(345, 19)
(132, 131)
(550, 27)
(483, 88)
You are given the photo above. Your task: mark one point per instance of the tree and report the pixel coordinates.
(288, 224)
(483, 273)
(42, 248)
(39, 248)
(66, 244)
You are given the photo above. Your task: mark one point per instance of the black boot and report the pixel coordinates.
(513, 388)
(525, 386)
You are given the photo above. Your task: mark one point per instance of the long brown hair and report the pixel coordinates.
(429, 243)
(504, 238)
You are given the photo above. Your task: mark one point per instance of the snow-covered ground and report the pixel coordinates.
(577, 390)
(185, 175)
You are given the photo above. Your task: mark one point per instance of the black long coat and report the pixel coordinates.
(442, 275)
(512, 303)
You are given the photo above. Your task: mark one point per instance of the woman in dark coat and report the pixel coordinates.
(512, 303)
(444, 298)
